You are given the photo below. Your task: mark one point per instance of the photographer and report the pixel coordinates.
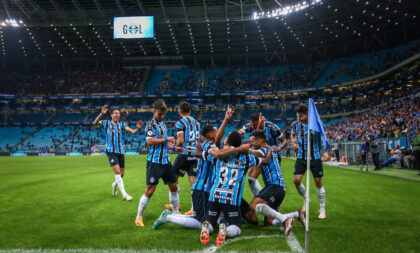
(373, 147)
(336, 149)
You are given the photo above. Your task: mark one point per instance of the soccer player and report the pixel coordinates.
(202, 184)
(299, 138)
(158, 161)
(269, 199)
(275, 139)
(114, 132)
(187, 131)
(226, 191)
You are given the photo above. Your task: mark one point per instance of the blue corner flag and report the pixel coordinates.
(315, 122)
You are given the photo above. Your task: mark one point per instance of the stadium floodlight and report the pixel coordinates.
(285, 10)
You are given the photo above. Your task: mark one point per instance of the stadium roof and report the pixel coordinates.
(248, 32)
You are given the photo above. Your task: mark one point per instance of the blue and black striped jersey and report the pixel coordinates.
(114, 132)
(158, 153)
(272, 131)
(191, 129)
(301, 131)
(271, 173)
(204, 170)
(229, 177)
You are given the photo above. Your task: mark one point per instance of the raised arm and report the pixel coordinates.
(104, 110)
(139, 125)
(221, 131)
(261, 120)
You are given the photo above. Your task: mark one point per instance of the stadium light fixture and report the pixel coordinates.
(286, 10)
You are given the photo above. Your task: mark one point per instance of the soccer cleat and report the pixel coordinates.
(127, 197)
(139, 222)
(114, 189)
(161, 220)
(222, 235)
(302, 218)
(189, 212)
(169, 206)
(322, 215)
(204, 236)
(288, 224)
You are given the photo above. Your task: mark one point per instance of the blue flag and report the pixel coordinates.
(315, 122)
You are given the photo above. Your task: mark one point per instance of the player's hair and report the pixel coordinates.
(115, 109)
(302, 108)
(160, 105)
(185, 107)
(259, 135)
(206, 130)
(234, 139)
(255, 117)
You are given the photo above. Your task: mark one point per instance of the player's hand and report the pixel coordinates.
(225, 141)
(275, 148)
(171, 140)
(179, 149)
(104, 109)
(229, 113)
(139, 124)
(295, 146)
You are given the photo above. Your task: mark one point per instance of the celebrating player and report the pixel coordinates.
(275, 139)
(269, 199)
(158, 161)
(202, 184)
(187, 131)
(299, 138)
(114, 132)
(226, 192)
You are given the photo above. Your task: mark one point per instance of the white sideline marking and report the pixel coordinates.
(291, 241)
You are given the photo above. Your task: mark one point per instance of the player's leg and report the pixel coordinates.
(169, 178)
(192, 176)
(247, 213)
(210, 220)
(232, 228)
(178, 167)
(299, 171)
(253, 180)
(144, 201)
(117, 161)
(318, 172)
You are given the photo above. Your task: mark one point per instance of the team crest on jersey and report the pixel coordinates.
(149, 133)
(272, 199)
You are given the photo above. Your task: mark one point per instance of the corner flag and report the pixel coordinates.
(315, 123)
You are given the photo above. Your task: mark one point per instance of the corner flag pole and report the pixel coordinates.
(308, 165)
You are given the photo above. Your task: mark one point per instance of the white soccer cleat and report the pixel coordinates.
(127, 197)
(322, 215)
(114, 189)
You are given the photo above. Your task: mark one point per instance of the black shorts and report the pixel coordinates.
(232, 213)
(155, 171)
(273, 195)
(115, 159)
(185, 164)
(200, 200)
(316, 167)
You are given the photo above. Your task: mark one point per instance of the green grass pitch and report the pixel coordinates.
(66, 203)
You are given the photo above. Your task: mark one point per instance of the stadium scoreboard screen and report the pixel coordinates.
(133, 27)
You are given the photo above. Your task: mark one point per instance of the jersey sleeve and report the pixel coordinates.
(294, 127)
(275, 131)
(207, 156)
(254, 161)
(103, 123)
(124, 126)
(244, 128)
(180, 126)
(149, 130)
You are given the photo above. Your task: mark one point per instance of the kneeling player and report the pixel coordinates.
(268, 200)
(226, 192)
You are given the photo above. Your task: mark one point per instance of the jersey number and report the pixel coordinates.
(192, 135)
(224, 173)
